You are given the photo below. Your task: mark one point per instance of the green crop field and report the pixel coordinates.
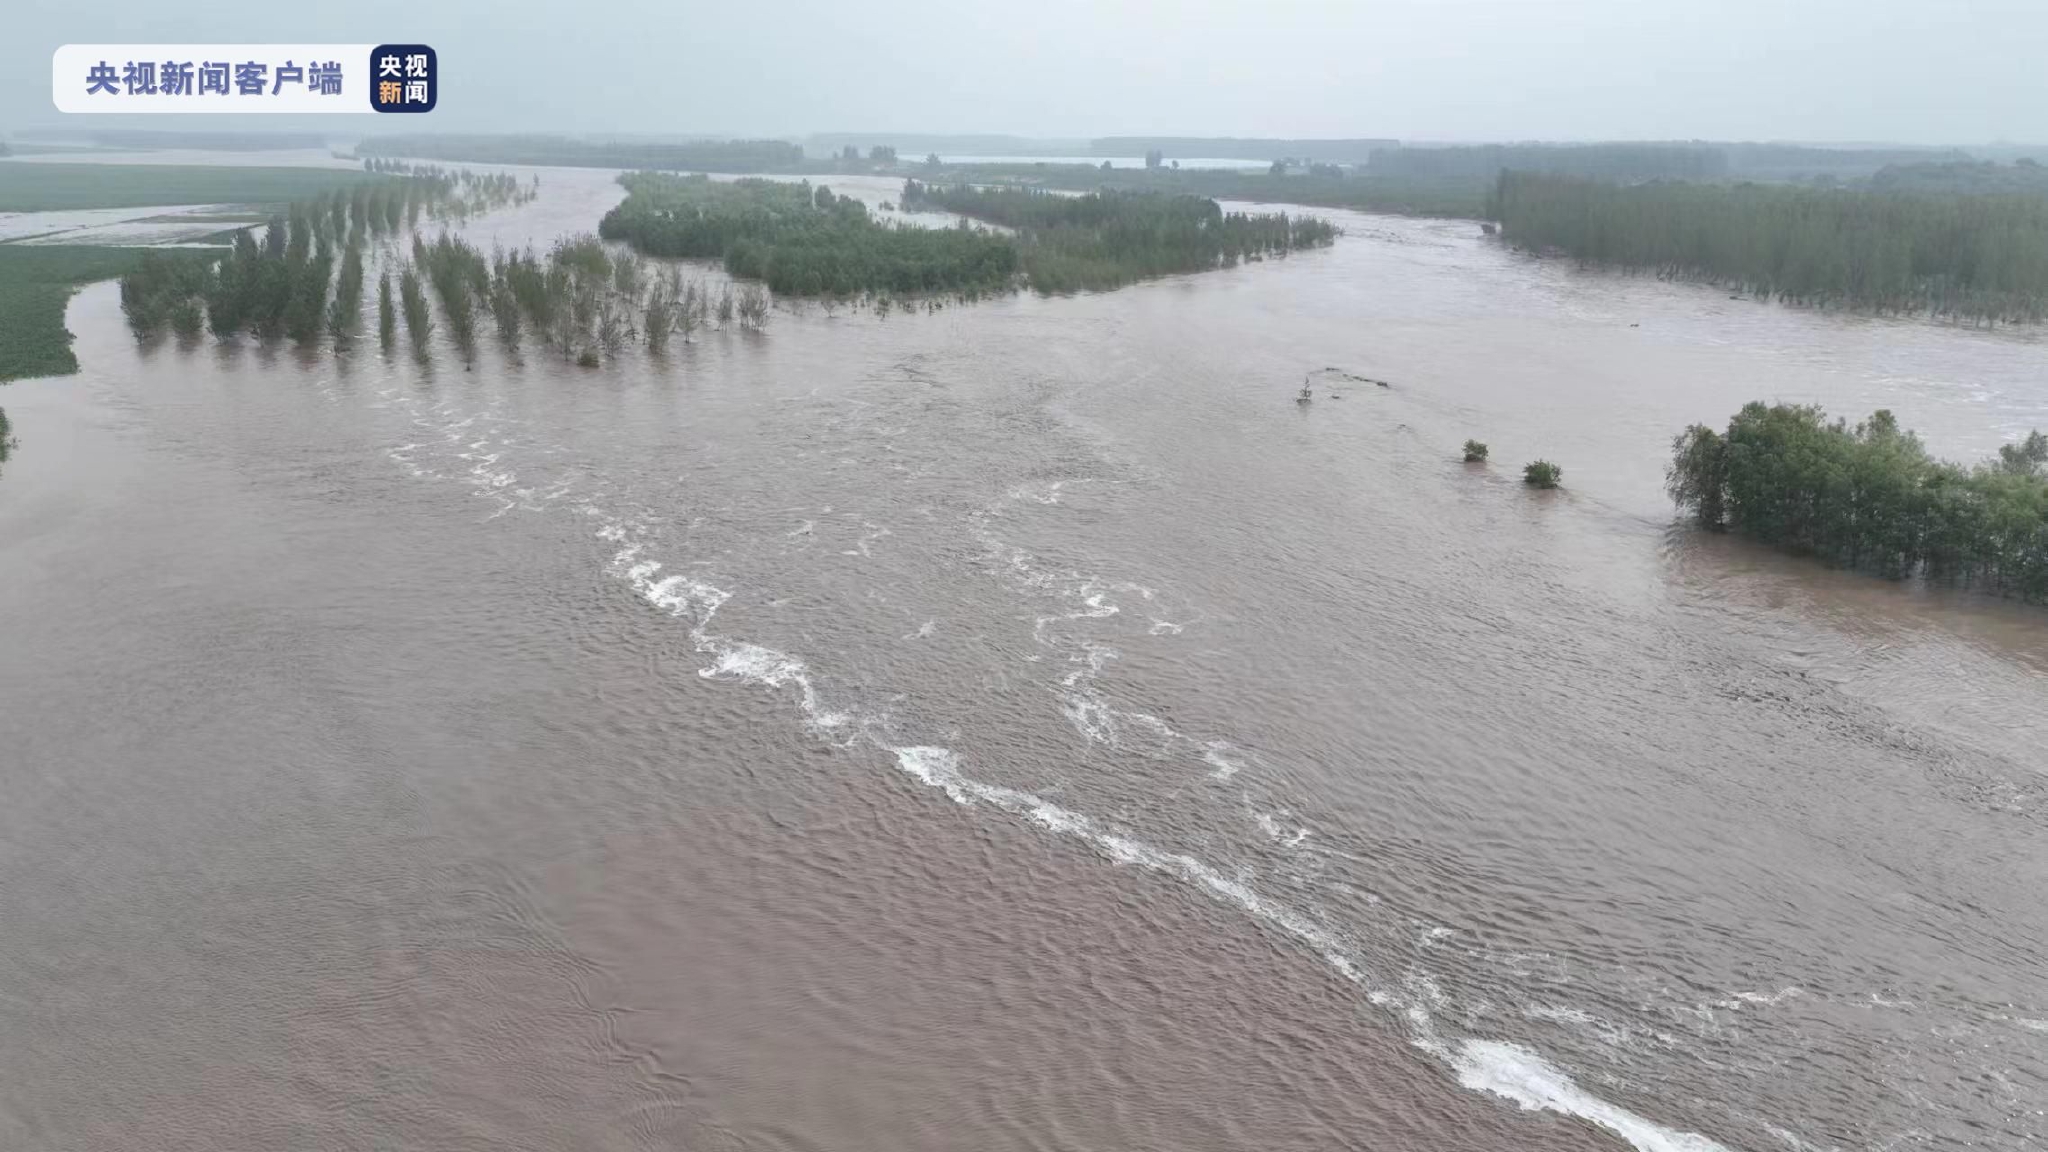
(35, 282)
(37, 187)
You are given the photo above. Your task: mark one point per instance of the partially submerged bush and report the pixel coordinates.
(1869, 496)
(1475, 452)
(1541, 474)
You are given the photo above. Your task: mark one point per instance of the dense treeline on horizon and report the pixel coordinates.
(1104, 239)
(696, 155)
(1963, 177)
(1364, 192)
(1870, 497)
(1336, 151)
(1650, 160)
(149, 139)
(802, 240)
(1983, 258)
(1752, 161)
(1600, 161)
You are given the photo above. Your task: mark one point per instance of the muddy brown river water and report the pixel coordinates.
(1019, 726)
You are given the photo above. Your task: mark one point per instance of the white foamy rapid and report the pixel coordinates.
(1522, 1076)
(1509, 1071)
(1506, 1070)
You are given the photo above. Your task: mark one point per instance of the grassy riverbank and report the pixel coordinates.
(36, 280)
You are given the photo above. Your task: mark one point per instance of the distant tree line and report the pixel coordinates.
(1963, 177)
(1602, 161)
(148, 139)
(1752, 161)
(696, 155)
(1630, 162)
(1322, 186)
(1870, 497)
(1240, 148)
(1105, 239)
(1976, 257)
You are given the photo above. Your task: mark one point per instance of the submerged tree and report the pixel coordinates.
(345, 314)
(1869, 497)
(165, 289)
(419, 322)
(386, 314)
(752, 306)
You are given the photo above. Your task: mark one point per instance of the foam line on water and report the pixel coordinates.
(1509, 1071)
(1536, 1085)
(1506, 1070)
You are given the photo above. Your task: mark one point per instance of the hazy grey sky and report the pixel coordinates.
(1924, 71)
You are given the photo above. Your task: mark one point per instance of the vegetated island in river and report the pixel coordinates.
(1870, 497)
(1952, 254)
(804, 241)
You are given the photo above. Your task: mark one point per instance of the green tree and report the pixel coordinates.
(387, 320)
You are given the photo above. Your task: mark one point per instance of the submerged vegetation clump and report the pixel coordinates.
(160, 285)
(282, 285)
(1542, 474)
(1973, 257)
(1475, 452)
(1870, 497)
